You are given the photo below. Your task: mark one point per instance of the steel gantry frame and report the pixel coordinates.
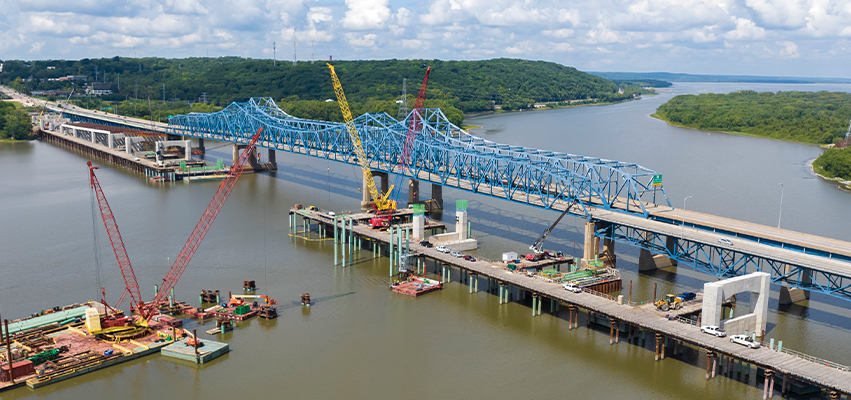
(442, 153)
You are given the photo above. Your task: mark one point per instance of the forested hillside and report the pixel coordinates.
(808, 117)
(454, 86)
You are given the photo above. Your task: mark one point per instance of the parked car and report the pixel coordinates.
(331, 213)
(469, 258)
(443, 249)
(572, 287)
(728, 242)
(686, 296)
(745, 340)
(426, 244)
(713, 330)
(456, 254)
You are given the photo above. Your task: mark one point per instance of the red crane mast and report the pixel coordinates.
(414, 125)
(132, 286)
(201, 229)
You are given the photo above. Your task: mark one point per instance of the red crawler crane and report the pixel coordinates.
(382, 217)
(201, 229)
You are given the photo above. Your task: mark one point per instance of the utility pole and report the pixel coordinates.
(311, 52)
(403, 106)
(274, 57)
(163, 92)
(294, 53)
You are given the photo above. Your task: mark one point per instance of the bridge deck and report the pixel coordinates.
(643, 317)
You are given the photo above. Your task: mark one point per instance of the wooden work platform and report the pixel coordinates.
(644, 317)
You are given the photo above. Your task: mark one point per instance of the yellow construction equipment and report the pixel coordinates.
(382, 202)
(670, 302)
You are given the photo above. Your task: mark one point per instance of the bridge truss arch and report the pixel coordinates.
(443, 154)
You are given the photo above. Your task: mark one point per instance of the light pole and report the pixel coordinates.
(781, 205)
(683, 230)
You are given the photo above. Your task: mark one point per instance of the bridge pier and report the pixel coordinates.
(201, 145)
(793, 295)
(648, 262)
(252, 158)
(272, 157)
(437, 196)
(366, 199)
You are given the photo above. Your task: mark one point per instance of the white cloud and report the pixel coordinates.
(36, 47)
(558, 33)
(366, 14)
(319, 14)
(780, 13)
(745, 30)
(789, 50)
(367, 40)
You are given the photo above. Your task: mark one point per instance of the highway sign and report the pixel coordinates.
(657, 180)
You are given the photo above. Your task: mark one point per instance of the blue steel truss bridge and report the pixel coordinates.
(618, 200)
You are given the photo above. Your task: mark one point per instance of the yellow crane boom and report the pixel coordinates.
(381, 202)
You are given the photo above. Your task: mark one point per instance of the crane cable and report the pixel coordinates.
(96, 247)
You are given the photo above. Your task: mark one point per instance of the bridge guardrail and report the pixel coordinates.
(806, 357)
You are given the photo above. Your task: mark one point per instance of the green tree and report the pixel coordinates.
(17, 125)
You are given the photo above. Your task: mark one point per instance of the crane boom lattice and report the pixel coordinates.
(414, 126)
(381, 202)
(131, 285)
(202, 227)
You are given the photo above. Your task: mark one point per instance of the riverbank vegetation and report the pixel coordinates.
(456, 87)
(14, 122)
(834, 163)
(807, 117)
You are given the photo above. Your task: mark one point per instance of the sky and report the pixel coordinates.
(733, 37)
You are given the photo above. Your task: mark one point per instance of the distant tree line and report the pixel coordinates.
(454, 86)
(656, 83)
(808, 117)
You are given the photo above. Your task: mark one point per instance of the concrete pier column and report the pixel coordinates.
(793, 295)
(390, 250)
(671, 245)
(235, 149)
(413, 191)
(534, 303)
(609, 252)
(501, 288)
(272, 157)
(437, 195)
(648, 262)
(540, 300)
(592, 243)
(336, 238)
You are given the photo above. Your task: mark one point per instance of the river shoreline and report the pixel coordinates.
(843, 184)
